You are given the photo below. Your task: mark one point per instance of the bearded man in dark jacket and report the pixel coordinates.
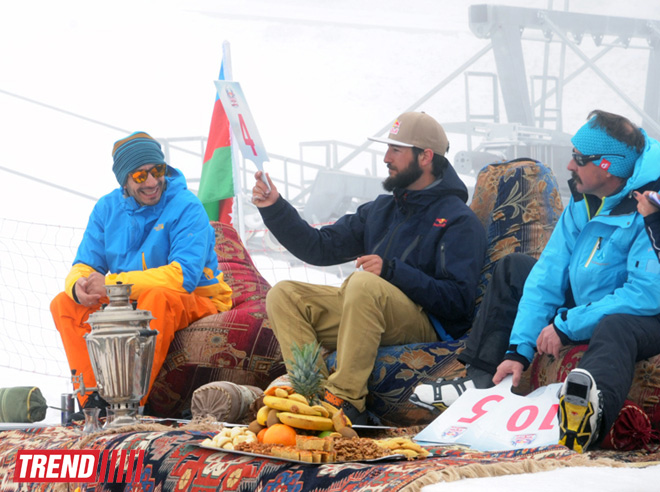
(419, 253)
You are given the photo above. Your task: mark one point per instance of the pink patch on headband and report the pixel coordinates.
(395, 128)
(604, 164)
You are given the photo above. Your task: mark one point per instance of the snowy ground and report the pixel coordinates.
(568, 479)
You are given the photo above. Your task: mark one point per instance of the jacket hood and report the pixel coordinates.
(449, 184)
(646, 168)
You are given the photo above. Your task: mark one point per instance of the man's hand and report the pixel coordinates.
(370, 263)
(508, 367)
(90, 290)
(549, 342)
(261, 195)
(644, 205)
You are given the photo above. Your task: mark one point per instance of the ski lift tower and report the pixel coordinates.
(534, 126)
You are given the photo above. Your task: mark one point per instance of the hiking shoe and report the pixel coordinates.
(353, 414)
(93, 401)
(580, 408)
(441, 393)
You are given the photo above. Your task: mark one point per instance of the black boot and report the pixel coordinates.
(93, 401)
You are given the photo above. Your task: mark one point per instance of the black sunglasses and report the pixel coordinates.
(583, 159)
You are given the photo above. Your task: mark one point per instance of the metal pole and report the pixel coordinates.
(648, 119)
(239, 224)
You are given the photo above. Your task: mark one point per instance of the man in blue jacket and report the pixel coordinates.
(151, 232)
(419, 252)
(596, 281)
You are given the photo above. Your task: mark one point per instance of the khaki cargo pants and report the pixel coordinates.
(366, 312)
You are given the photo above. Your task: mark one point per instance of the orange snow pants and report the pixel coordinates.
(172, 311)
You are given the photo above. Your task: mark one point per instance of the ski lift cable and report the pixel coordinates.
(85, 118)
(48, 183)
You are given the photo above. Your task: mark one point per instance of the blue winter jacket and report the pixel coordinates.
(431, 243)
(603, 254)
(170, 244)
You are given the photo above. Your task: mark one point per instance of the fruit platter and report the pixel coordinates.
(332, 448)
(288, 427)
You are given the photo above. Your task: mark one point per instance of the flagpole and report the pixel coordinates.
(238, 189)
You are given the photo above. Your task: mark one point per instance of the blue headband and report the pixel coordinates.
(134, 151)
(592, 139)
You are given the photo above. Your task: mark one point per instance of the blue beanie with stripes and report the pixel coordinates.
(134, 151)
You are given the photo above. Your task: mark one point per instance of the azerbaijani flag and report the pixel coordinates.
(216, 186)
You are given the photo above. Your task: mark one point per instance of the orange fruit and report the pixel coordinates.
(280, 434)
(260, 436)
(271, 391)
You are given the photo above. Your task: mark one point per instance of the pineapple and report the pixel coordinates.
(304, 373)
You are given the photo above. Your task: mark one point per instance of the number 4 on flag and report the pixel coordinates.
(241, 121)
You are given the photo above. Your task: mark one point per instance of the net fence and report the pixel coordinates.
(34, 261)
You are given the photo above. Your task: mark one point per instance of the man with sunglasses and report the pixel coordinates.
(596, 282)
(153, 233)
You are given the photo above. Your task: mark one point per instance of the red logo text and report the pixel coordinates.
(77, 465)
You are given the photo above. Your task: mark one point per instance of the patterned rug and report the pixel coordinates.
(173, 461)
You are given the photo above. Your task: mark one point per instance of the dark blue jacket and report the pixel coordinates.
(431, 243)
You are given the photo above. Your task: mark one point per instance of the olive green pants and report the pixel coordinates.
(366, 312)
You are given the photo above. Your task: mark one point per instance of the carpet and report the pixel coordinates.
(173, 461)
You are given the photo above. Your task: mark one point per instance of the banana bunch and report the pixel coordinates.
(229, 437)
(284, 406)
(403, 445)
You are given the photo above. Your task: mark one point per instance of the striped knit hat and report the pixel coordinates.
(134, 151)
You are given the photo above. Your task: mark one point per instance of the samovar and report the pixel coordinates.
(121, 348)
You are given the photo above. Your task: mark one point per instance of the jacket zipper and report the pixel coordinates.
(442, 259)
(412, 246)
(593, 251)
(396, 229)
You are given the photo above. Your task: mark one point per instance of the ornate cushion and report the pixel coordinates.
(518, 202)
(398, 370)
(237, 345)
(645, 389)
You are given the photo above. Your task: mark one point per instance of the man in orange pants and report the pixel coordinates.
(153, 233)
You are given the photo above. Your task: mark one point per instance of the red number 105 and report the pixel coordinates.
(528, 412)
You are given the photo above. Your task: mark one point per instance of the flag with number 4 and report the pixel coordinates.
(496, 419)
(241, 122)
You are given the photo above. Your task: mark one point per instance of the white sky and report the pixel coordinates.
(311, 70)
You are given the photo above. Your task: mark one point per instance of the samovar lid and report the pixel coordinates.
(119, 310)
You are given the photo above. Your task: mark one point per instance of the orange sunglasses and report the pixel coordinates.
(158, 171)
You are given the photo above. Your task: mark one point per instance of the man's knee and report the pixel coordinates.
(364, 285)
(62, 306)
(152, 294)
(612, 328)
(279, 295)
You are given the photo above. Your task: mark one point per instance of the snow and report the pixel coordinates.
(78, 75)
(598, 478)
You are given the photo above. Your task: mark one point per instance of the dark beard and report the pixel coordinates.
(404, 178)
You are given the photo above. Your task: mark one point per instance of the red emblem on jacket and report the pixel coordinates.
(440, 223)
